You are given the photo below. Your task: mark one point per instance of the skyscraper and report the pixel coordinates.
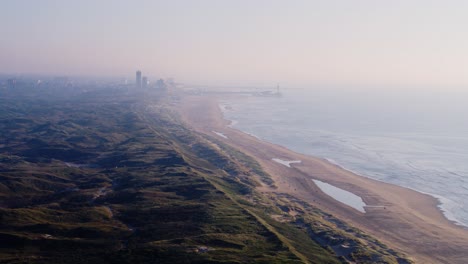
(138, 79)
(144, 82)
(11, 83)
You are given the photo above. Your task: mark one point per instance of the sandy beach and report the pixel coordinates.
(403, 219)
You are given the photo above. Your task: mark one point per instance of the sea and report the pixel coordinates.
(415, 138)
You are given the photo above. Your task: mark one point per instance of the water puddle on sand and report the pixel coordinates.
(342, 196)
(286, 163)
(220, 134)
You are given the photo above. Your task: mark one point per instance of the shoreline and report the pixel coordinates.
(440, 204)
(447, 214)
(409, 221)
(440, 199)
(443, 202)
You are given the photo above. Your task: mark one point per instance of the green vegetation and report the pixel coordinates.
(118, 179)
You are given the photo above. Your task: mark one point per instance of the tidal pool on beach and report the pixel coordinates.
(286, 163)
(342, 196)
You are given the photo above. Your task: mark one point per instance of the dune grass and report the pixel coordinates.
(113, 179)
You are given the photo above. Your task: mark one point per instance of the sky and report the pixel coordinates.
(251, 42)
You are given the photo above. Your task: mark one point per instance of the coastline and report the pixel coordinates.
(402, 218)
(447, 206)
(440, 199)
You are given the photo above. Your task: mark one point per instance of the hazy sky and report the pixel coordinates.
(241, 41)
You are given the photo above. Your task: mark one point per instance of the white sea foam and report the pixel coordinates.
(447, 206)
(223, 106)
(233, 123)
(286, 163)
(342, 196)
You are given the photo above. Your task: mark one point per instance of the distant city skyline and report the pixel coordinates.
(361, 42)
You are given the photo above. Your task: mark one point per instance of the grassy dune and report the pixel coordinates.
(118, 179)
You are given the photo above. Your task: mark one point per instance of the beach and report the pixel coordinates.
(403, 219)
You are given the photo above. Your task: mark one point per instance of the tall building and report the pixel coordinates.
(138, 79)
(144, 82)
(11, 83)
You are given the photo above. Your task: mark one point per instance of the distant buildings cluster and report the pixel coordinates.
(25, 81)
(57, 83)
(142, 82)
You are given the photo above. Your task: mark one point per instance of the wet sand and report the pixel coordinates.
(403, 219)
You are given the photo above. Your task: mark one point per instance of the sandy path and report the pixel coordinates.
(403, 219)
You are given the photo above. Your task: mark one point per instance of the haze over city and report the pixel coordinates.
(296, 43)
(242, 131)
